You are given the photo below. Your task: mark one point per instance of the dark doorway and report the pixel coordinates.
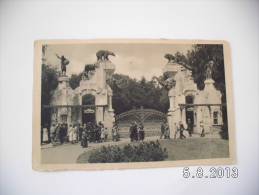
(88, 114)
(189, 109)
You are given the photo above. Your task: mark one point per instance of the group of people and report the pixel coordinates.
(180, 128)
(137, 132)
(164, 130)
(83, 133)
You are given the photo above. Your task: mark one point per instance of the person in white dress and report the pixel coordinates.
(75, 131)
(45, 135)
(70, 133)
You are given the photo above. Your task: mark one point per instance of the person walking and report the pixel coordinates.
(65, 133)
(131, 131)
(90, 128)
(162, 130)
(135, 129)
(75, 132)
(189, 127)
(84, 139)
(101, 126)
(141, 132)
(96, 133)
(45, 138)
(70, 133)
(176, 130)
(105, 134)
(202, 129)
(181, 130)
(52, 134)
(80, 131)
(166, 131)
(115, 133)
(102, 134)
(62, 133)
(57, 132)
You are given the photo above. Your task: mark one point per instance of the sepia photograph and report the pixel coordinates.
(115, 104)
(129, 97)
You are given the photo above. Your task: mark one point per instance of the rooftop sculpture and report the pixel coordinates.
(103, 55)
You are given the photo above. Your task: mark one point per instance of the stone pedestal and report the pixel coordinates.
(63, 95)
(169, 71)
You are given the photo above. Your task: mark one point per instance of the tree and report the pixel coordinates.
(49, 82)
(130, 93)
(74, 80)
(198, 57)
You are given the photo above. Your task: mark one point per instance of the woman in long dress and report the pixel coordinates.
(75, 132)
(141, 132)
(70, 134)
(45, 135)
(202, 129)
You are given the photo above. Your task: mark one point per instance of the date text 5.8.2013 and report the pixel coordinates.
(214, 173)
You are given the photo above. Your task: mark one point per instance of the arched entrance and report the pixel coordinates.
(189, 109)
(88, 114)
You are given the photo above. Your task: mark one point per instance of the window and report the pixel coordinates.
(215, 118)
(63, 118)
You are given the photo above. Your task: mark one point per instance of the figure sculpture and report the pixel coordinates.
(170, 58)
(120, 83)
(208, 67)
(103, 55)
(167, 84)
(64, 62)
(88, 72)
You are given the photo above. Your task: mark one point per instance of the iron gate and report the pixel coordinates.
(151, 119)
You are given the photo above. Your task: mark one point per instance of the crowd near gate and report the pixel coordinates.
(151, 119)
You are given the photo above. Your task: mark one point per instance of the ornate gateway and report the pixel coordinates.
(151, 119)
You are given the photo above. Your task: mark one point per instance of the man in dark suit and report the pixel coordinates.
(132, 131)
(162, 130)
(135, 129)
(62, 133)
(189, 127)
(181, 127)
(80, 131)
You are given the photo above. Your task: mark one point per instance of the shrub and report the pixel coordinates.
(145, 152)
(224, 131)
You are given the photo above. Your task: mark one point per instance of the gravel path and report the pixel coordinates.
(68, 153)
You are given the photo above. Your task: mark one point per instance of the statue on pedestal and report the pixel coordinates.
(168, 83)
(119, 83)
(170, 58)
(103, 55)
(64, 62)
(208, 67)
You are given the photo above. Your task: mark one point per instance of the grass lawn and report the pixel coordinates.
(200, 148)
(184, 149)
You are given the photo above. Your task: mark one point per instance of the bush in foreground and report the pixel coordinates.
(145, 152)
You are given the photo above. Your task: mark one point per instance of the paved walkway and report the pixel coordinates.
(68, 153)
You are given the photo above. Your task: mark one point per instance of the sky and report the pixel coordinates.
(132, 59)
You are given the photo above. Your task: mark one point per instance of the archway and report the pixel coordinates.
(189, 109)
(88, 114)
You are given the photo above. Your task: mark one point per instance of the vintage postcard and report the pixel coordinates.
(131, 103)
